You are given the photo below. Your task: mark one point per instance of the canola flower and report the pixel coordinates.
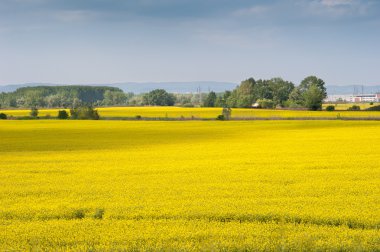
(189, 185)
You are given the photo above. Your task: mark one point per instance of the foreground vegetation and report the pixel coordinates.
(195, 185)
(202, 113)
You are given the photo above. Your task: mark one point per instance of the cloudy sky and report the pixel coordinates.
(107, 41)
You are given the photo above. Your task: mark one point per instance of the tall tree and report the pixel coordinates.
(310, 93)
(158, 97)
(210, 100)
(243, 96)
(313, 80)
(280, 90)
(313, 97)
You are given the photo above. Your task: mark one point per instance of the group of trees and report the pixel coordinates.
(310, 93)
(271, 93)
(251, 91)
(63, 97)
(158, 97)
(81, 113)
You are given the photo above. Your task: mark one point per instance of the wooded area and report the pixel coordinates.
(272, 93)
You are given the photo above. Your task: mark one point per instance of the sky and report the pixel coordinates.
(113, 41)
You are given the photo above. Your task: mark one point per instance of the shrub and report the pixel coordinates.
(3, 116)
(138, 117)
(374, 108)
(62, 114)
(84, 112)
(78, 214)
(220, 118)
(330, 108)
(371, 103)
(99, 213)
(354, 108)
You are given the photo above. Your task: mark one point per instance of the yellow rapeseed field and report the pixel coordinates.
(345, 106)
(205, 113)
(189, 185)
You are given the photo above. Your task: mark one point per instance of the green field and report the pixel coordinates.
(206, 113)
(189, 185)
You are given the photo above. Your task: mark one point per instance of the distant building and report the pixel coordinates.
(354, 98)
(367, 98)
(337, 98)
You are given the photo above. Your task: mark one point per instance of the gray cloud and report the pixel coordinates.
(119, 40)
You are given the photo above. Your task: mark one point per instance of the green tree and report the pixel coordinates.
(243, 96)
(226, 112)
(59, 96)
(158, 97)
(296, 98)
(114, 98)
(310, 81)
(34, 112)
(249, 91)
(263, 90)
(62, 114)
(184, 100)
(84, 112)
(210, 100)
(280, 90)
(221, 99)
(313, 97)
(310, 93)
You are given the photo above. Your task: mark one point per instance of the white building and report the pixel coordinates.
(366, 98)
(354, 98)
(335, 98)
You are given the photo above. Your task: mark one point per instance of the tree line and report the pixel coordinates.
(62, 97)
(272, 93)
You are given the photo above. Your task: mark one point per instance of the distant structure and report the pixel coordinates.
(366, 98)
(357, 98)
(339, 98)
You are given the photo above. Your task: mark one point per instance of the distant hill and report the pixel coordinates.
(14, 87)
(144, 87)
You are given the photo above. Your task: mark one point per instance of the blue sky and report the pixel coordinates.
(108, 41)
